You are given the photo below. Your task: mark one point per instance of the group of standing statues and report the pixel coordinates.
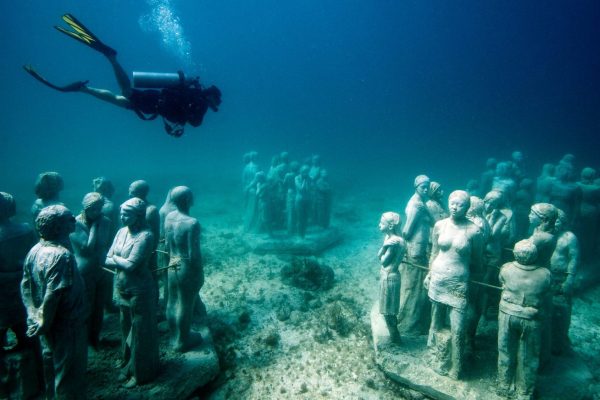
(289, 197)
(509, 255)
(54, 292)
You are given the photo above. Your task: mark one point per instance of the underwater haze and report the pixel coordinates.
(383, 90)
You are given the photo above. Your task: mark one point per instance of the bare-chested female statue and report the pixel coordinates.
(390, 255)
(90, 241)
(185, 276)
(130, 255)
(457, 250)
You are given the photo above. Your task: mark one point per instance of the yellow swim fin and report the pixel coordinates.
(84, 35)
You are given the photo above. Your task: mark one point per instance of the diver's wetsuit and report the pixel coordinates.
(175, 105)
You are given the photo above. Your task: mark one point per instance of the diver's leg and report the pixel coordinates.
(121, 75)
(106, 95)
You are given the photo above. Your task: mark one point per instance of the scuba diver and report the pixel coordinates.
(176, 98)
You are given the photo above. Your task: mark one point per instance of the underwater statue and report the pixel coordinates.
(542, 219)
(524, 198)
(302, 200)
(249, 171)
(47, 190)
(140, 189)
(390, 255)
(435, 202)
(566, 194)
(90, 241)
(523, 305)
(589, 213)
(487, 177)
(290, 198)
(563, 265)
(457, 251)
(16, 240)
(129, 255)
(477, 297)
(516, 161)
(162, 256)
(322, 200)
(492, 256)
(53, 293)
(106, 188)
(504, 182)
(185, 273)
(544, 183)
(315, 167)
(414, 307)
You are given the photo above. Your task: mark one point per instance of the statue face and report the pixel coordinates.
(384, 226)
(422, 189)
(128, 218)
(559, 225)
(93, 212)
(458, 207)
(534, 219)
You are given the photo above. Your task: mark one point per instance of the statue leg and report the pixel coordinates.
(561, 321)
(438, 317)
(507, 350)
(392, 324)
(458, 330)
(172, 304)
(528, 358)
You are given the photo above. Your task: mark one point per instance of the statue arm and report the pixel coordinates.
(41, 319)
(85, 244)
(194, 242)
(387, 255)
(477, 250)
(58, 278)
(434, 252)
(409, 226)
(139, 252)
(435, 234)
(573, 263)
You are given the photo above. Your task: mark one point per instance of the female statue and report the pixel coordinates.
(390, 254)
(129, 255)
(457, 251)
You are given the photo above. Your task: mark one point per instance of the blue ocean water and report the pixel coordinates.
(383, 90)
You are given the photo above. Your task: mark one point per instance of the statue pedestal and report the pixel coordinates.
(182, 375)
(412, 365)
(315, 241)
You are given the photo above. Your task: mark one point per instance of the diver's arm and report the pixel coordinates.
(107, 95)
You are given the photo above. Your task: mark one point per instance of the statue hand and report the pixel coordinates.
(426, 282)
(35, 326)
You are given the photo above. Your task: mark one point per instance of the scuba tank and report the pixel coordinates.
(161, 80)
